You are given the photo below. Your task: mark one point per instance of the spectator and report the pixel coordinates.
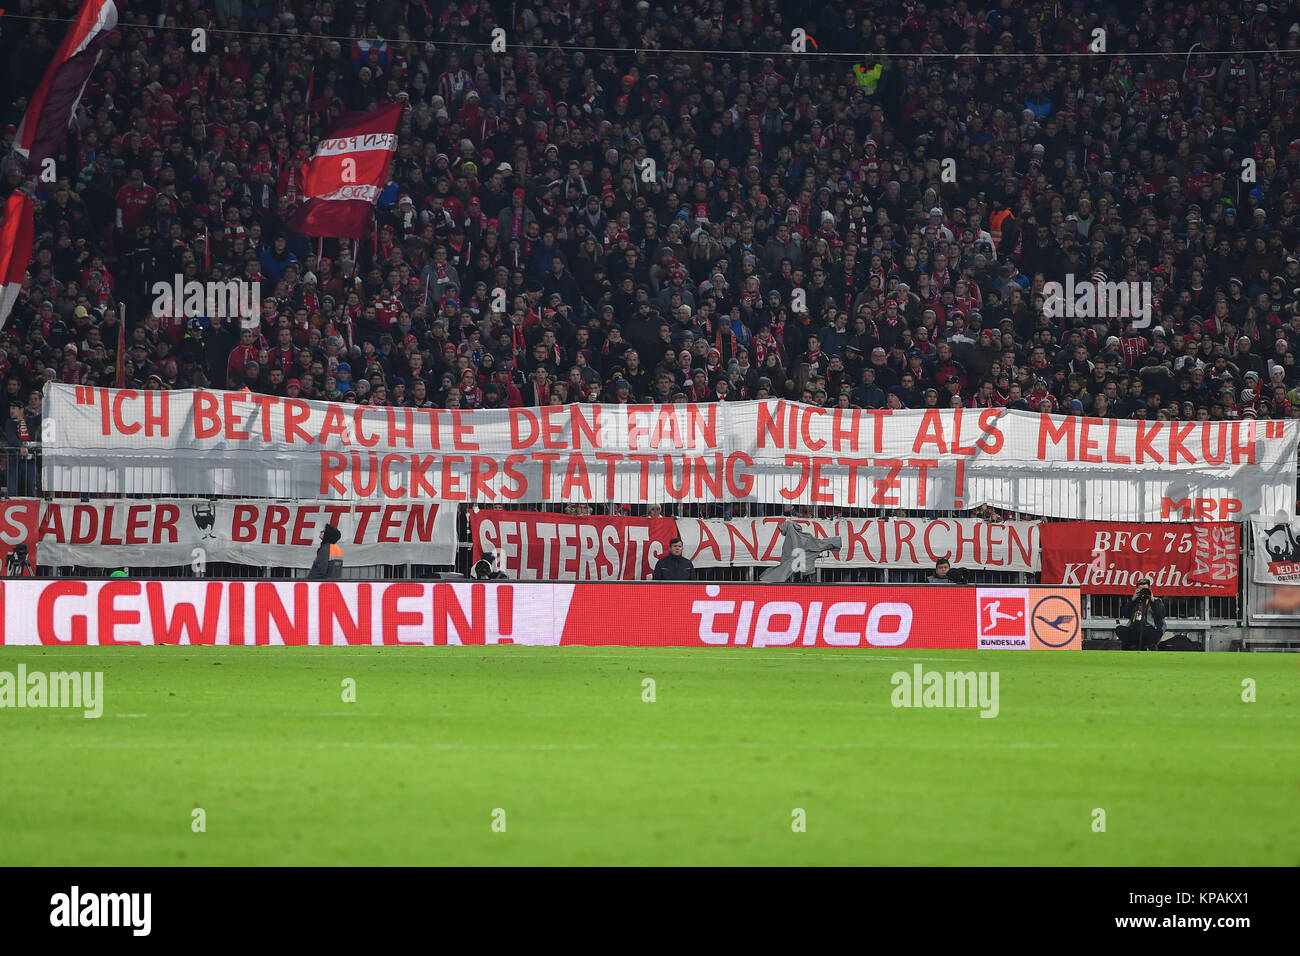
(21, 438)
(940, 574)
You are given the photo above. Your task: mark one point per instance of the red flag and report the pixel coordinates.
(17, 236)
(44, 127)
(347, 172)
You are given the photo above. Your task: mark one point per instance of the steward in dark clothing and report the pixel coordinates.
(674, 566)
(329, 556)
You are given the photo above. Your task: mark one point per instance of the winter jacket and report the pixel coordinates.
(674, 567)
(329, 557)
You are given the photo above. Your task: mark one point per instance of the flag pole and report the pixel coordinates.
(311, 82)
(120, 378)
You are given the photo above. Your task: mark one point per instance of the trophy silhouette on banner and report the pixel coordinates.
(204, 517)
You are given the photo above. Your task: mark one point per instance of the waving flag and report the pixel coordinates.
(17, 235)
(346, 174)
(798, 552)
(44, 128)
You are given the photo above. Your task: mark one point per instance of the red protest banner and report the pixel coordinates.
(20, 520)
(531, 545)
(1108, 558)
(1217, 554)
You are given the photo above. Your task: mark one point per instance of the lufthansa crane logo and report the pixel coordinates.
(1055, 621)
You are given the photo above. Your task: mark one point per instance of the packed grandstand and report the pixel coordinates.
(919, 174)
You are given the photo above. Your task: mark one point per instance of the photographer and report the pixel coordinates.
(485, 568)
(17, 564)
(1146, 619)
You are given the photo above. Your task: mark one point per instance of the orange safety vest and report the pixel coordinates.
(995, 225)
(336, 552)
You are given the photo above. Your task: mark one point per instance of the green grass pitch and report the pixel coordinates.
(711, 772)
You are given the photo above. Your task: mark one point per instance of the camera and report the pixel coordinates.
(485, 568)
(16, 564)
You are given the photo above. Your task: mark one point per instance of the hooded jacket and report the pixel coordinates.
(329, 557)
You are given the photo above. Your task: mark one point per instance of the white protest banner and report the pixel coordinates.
(894, 543)
(163, 532)
(197, 442)
(1277, 550)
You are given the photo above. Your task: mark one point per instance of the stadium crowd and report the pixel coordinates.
(668, 204)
